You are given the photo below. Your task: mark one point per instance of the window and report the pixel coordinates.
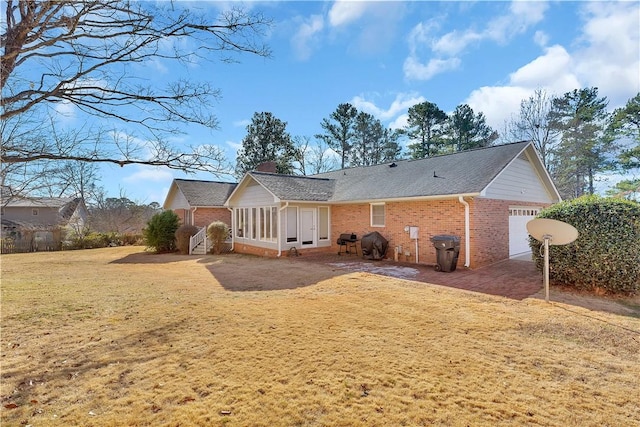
(323, 223)
(377, 215)
(254, 223)
(274, 223)
(34, 212)
(292, 224)
(241, 223)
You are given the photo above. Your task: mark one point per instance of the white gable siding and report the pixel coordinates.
(518, 181)
(254, 195)
(178, 201)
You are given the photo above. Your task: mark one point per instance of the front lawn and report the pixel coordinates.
(114, 336)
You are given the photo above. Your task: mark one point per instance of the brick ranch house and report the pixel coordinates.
(199, 203)
(484, 196)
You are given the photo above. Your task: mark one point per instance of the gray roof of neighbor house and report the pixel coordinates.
(205, 193)
(66, 205)
(465, 172)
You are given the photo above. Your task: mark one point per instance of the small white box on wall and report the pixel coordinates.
(413, 232)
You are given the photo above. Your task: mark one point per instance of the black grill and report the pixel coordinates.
(347, 238)
(348, 241)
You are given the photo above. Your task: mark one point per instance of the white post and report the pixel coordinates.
(546, 267)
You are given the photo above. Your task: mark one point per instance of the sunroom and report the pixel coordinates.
(272, 214)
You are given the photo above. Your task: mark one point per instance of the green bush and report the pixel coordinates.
(88, 240)
(606, 254)
(183, 236)
(160, 233)
(217, 232)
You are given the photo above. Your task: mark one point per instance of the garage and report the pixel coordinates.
(519, 216)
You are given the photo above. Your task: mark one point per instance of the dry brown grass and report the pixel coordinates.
(114, 337)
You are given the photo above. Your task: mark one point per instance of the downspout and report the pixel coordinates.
(233, 227)
(286, 205)
(467, 227)
(193, 216)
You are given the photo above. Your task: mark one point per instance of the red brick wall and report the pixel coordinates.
(205, 216)
(432, 217)
(183, 214)
(489, 228)
(489, 222)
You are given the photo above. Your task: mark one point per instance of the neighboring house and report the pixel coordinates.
(483, 196)
(41, 223)
(199, 203)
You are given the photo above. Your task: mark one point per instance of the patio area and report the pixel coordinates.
(515, 278)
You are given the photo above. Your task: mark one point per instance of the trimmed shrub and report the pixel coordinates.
(160, 232)
(606, 254)
(183, 235)
(217, 232)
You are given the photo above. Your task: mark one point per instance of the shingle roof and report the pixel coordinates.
(300, 188)
(205, 193)
(464, 172)
(41, 202)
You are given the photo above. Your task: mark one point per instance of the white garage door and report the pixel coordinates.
(518, 235)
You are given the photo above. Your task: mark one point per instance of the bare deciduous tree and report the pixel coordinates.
(532, 124)
(84, 56)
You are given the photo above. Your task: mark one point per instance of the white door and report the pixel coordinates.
(518, 236)
(308, 226)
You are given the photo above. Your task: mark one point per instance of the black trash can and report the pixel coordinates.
(447, 251)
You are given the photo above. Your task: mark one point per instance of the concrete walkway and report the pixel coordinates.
(515, 279)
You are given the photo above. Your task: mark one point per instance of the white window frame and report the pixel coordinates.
(292, 216)
(371, 215)
(325, 224)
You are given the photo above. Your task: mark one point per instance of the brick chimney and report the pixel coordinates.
(267, 167)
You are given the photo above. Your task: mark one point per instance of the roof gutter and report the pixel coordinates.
(233, 227)
(405, 199)
(286, 205)
(467, 227)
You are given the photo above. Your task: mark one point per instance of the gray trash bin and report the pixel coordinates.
(447, 251)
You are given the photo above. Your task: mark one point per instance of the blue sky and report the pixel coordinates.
(384, 57)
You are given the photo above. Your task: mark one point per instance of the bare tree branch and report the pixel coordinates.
(83, 56)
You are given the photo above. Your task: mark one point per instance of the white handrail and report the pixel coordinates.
(196, 239)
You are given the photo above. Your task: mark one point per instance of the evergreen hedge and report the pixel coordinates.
(606, 254)
(160, 233)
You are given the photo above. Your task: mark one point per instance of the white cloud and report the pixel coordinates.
(609, 53)
(415, 70)
(454, 42)
(66, 111)
(235, 147)
(605, 56)
(521, 16)
(553, 70)
(541, 38)
(497, 103)
(242, 123)
(346, 11)
(400, 122)
(447, 48)
(306, 36)
(401, 103)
